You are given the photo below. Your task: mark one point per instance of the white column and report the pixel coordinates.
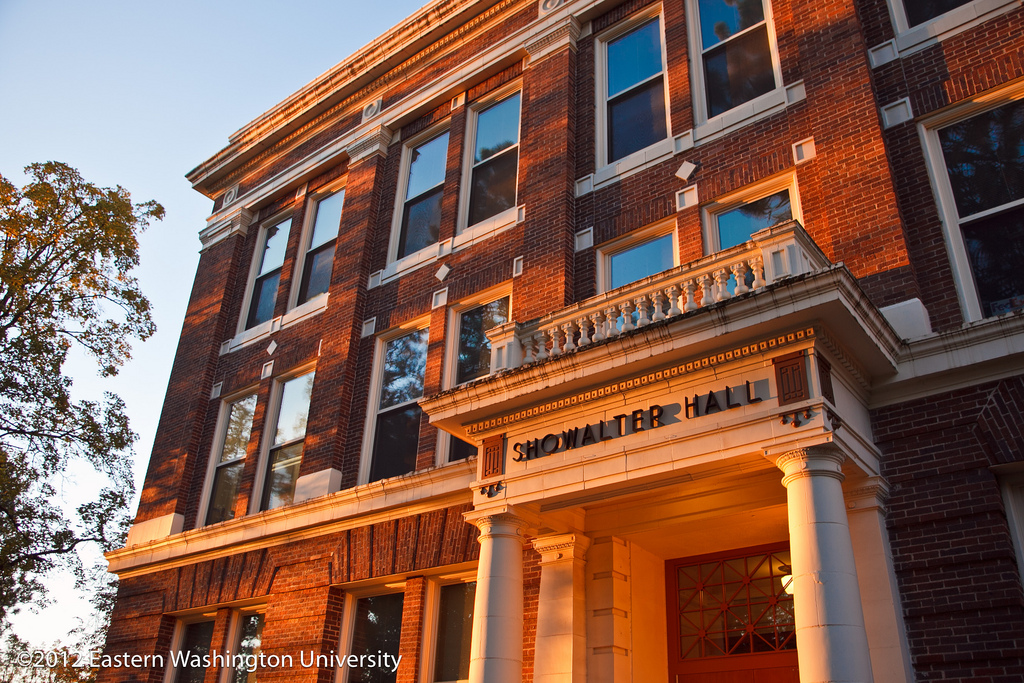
(561, 618)
(496, 655)
(883, 617)
(832, 645)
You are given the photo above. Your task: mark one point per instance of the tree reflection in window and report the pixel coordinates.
(396, 437)
(377, 631)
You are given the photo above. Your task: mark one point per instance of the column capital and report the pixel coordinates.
(869, 494)
(373, 143)
(504, 521)
(563, 34)
(825, 460)
(561, 547)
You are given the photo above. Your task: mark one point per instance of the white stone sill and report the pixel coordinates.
(950, 23)
(313, 307)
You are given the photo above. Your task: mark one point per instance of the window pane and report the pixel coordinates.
(427, 166)
(630, 265)
(738, 71)
(720, 19)
(474, 346)
(328, 219)
(395, 442)
(460, 450)
(316, 276)
(454, 632)
(421, 223)
(291, 420)
(263, 298)
(284, 471)
(920, 11)
(634, 57)
(636, 120)
(249, 642)
(274, 246)
(236, 440)
(195, 642)
(377, 631)
(996, 249)
(736, 226)
(225, 491)
(494, 187)
(405, 361)
(985, 159)
(497, 128)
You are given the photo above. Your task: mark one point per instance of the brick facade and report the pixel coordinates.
(945, 438)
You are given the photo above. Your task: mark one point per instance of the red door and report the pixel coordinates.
(730, 617)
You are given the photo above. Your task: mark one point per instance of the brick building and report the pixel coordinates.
(617, 341)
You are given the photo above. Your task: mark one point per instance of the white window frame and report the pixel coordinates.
(373, 396)
(1012, 487)
(308, 223)
(234, 634)
(911, 39)
(465, 232)
(742, 114)
(431, 616)
(401, 264)
(745, 195)
(656, 150)
(271, 415)
(348, 619)
(177, 640)
(928, 131)
(254, 268)
(220, 433)
(634, 239)
(451, 353)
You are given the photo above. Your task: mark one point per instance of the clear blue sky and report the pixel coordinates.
(136, 94)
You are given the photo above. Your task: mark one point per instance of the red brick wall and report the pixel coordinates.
(954, 560)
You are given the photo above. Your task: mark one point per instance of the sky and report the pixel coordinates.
(137, 94)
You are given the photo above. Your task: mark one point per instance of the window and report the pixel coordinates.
(289, 433)
(194, 643)
(270, 257)
(726, 605)
(228, 469)
(424, 184)
(980, 182)
(634, 90)
(396, 427)
(920, 11)
(1012, 484)
(319, 261)
(732, 219)
(473, 354)
(737, 55)
(376, 630)
(247, 647)
(636, 257)
(454, 632)
(494, 164)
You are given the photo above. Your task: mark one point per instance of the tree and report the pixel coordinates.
(66, 256)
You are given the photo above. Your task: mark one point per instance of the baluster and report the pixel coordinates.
(569, 330)
(706, 298)
(722, 278)
(641, 306)
(673, 298)
(554, 334)
(528, 356)
(627, 316)
(611, 322)
(598, 320)
(542, 346)
(582, 324)
(659, 306)
(757, 265)
(739, 271)
(690, 288)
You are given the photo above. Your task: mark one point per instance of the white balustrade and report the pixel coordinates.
(770, 255)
